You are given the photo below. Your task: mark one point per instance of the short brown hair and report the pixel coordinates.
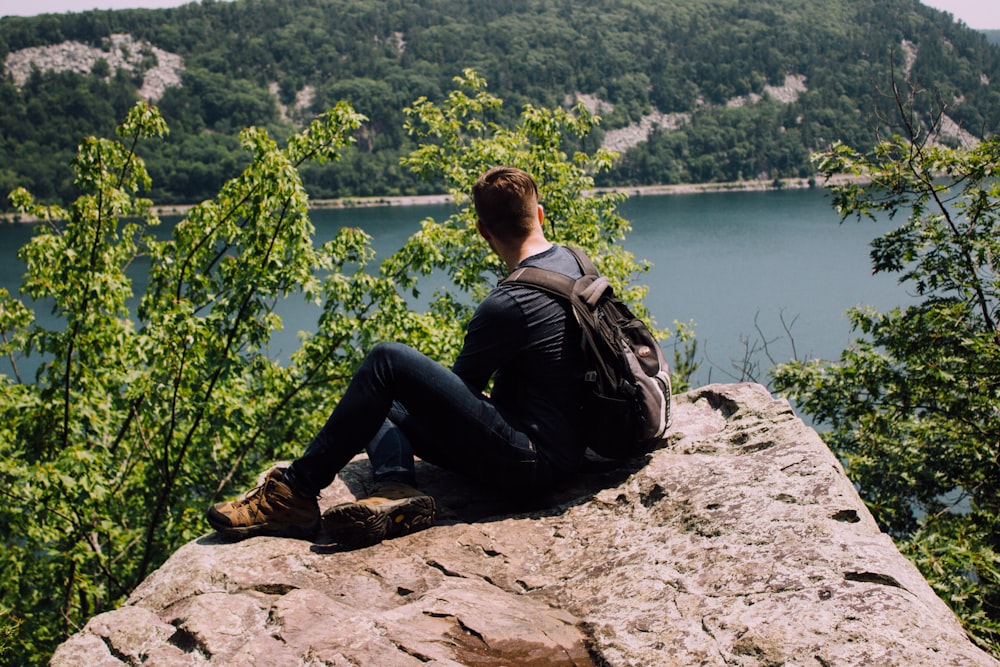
(506, 201)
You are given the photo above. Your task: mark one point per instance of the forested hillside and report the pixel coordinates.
(723, 89)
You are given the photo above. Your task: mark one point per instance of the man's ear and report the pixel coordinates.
(482, 230)
(541, 216)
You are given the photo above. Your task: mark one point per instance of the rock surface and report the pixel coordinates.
(740, 542)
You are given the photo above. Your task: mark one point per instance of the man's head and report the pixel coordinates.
(506, 201)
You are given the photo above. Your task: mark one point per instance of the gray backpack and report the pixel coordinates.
(626, 402)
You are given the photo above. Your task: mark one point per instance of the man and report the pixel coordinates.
(523, 438)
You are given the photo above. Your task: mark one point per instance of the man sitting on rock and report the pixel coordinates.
(523, 438)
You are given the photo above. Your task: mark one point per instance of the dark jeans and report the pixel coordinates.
(401, 403)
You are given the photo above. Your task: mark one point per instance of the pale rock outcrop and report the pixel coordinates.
(624, 138)
(789, 91)
(740, 542)
(163, 69)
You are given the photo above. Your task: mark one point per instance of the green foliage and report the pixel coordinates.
(685, 56)
(912, 406)
(459, 140)
(149, 407)
(136, 420)
(9, 629)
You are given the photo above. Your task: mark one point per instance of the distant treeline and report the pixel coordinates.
(638, 56)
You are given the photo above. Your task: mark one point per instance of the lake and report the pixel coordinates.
(735, 261)
(724, 260)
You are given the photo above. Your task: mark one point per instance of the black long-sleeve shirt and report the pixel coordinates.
(529, 343)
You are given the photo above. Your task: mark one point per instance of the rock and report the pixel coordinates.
(623, 138)
(740, 542)
(159, 69)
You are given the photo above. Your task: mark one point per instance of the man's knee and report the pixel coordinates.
(387, 354)
(402, 367)
(388, 349)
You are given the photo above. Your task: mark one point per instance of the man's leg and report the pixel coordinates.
(469, 435)
(394, 506)
(455, 427)
(487, 448)
(285, 504)
(458, 429)
(391, 453)
(513, 464)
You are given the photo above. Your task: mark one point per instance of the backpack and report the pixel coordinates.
(626, 400)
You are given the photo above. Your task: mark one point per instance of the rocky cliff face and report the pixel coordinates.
(158, 69)
(741, 542)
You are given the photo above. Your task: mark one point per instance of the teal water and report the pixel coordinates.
(739, 264)
(732, 262)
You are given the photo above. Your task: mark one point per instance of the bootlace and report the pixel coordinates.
(251, 495)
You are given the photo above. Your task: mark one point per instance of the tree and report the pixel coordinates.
(912, 406)
(135, 419)
(142, 415)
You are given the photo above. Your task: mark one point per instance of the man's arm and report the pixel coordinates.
(495, 334)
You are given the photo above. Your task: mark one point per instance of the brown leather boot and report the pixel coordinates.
(269, 509)
(391, 510)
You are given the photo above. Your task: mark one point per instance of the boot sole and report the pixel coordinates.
(298, 531)
(360, 524)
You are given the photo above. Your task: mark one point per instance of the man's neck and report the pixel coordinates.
(533, 245)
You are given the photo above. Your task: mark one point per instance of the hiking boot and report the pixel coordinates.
(392, 509)
(269, 509)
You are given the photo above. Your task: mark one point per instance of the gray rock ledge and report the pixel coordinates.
(740, 542)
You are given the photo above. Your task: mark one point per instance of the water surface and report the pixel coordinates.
(732, 262)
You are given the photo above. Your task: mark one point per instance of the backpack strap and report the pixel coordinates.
(587, 266)
(589, 288)
(582, 295)
(586, 290)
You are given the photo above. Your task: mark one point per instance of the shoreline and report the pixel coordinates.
(632, 191)
(425, 200)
